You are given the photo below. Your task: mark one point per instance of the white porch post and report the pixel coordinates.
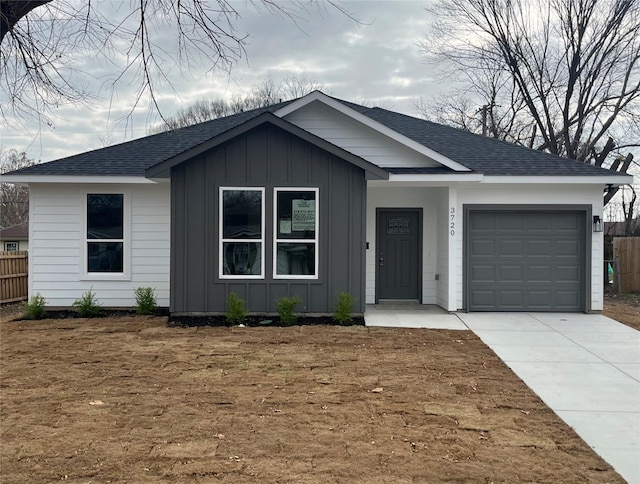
(454, 227)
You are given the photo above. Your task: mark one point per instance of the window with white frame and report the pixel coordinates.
(105, 233)
(296, 233)
(242, 233)
(11, 246)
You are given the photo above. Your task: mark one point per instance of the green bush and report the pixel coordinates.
(34, 309)
(236, 312)
(344, 306)
(87, 305)
(145, 300)
(285, 306)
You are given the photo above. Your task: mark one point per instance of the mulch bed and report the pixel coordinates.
(207, 320)
(258, 321)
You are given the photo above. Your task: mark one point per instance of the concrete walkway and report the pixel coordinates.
(585, 367)
(411, 316)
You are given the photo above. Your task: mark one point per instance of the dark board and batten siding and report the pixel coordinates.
(266, 157)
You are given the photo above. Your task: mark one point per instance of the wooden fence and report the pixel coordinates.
(14, 276)
(628, 250)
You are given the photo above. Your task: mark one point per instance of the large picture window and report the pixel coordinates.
(242, 232)
(296, 233)
(105, 233)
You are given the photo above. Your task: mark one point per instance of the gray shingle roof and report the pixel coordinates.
(134, 157)
(480, 154)
(16, 232)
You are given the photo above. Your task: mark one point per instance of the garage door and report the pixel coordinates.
(525, 261)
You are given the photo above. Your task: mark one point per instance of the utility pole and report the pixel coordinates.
(484, 110)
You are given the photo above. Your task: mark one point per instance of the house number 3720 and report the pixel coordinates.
(452, 221)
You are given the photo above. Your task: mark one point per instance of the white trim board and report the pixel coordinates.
(76, 179)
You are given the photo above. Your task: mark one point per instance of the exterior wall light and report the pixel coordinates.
(597, 223)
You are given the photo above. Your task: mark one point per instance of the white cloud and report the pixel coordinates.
(376, 60)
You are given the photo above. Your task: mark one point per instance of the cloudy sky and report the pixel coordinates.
(374, 60)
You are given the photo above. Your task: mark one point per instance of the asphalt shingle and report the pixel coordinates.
(480, 154)
(132, 158)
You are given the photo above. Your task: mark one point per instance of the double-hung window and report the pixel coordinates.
(242, 233)
(105, 233)
(296, 233)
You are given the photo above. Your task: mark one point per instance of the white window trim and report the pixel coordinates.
(7, 243)
(276, 240)
(221, 273)
(126, 238)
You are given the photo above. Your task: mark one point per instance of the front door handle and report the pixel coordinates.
(381, 261)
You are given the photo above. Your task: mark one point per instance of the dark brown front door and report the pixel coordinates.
(398, 253)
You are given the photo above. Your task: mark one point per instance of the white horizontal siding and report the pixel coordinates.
(57, 239)
(45, 228)
(50, 236)
(356, 138)
(44, 269)
(44, 261)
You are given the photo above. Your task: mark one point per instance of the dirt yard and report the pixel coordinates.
(132, 400)
(624, 308)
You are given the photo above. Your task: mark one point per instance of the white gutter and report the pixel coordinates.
(75, 179)
(407, 179)
(550, 179)
(448, 177)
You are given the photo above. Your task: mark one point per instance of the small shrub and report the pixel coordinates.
(145, 300)
(87, 305)
(285, 306)
(236, 312)
(344, 306)
(34, 309)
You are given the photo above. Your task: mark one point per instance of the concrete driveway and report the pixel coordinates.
(585, 367)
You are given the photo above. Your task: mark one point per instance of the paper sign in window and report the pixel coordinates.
(285, 226)
(303, 216)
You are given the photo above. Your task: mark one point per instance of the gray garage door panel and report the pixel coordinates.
(525, 261)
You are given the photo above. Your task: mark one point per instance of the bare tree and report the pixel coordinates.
(629, 209)
(201, 110)
(298, 85)
(561, 76)
(14, 199)
(44, 41)
(264, 94)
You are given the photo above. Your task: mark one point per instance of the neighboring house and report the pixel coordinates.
(15, 237)
(313, 197)
(619, 229)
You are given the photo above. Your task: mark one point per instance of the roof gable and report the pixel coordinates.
(361, 116)
(162, 169)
